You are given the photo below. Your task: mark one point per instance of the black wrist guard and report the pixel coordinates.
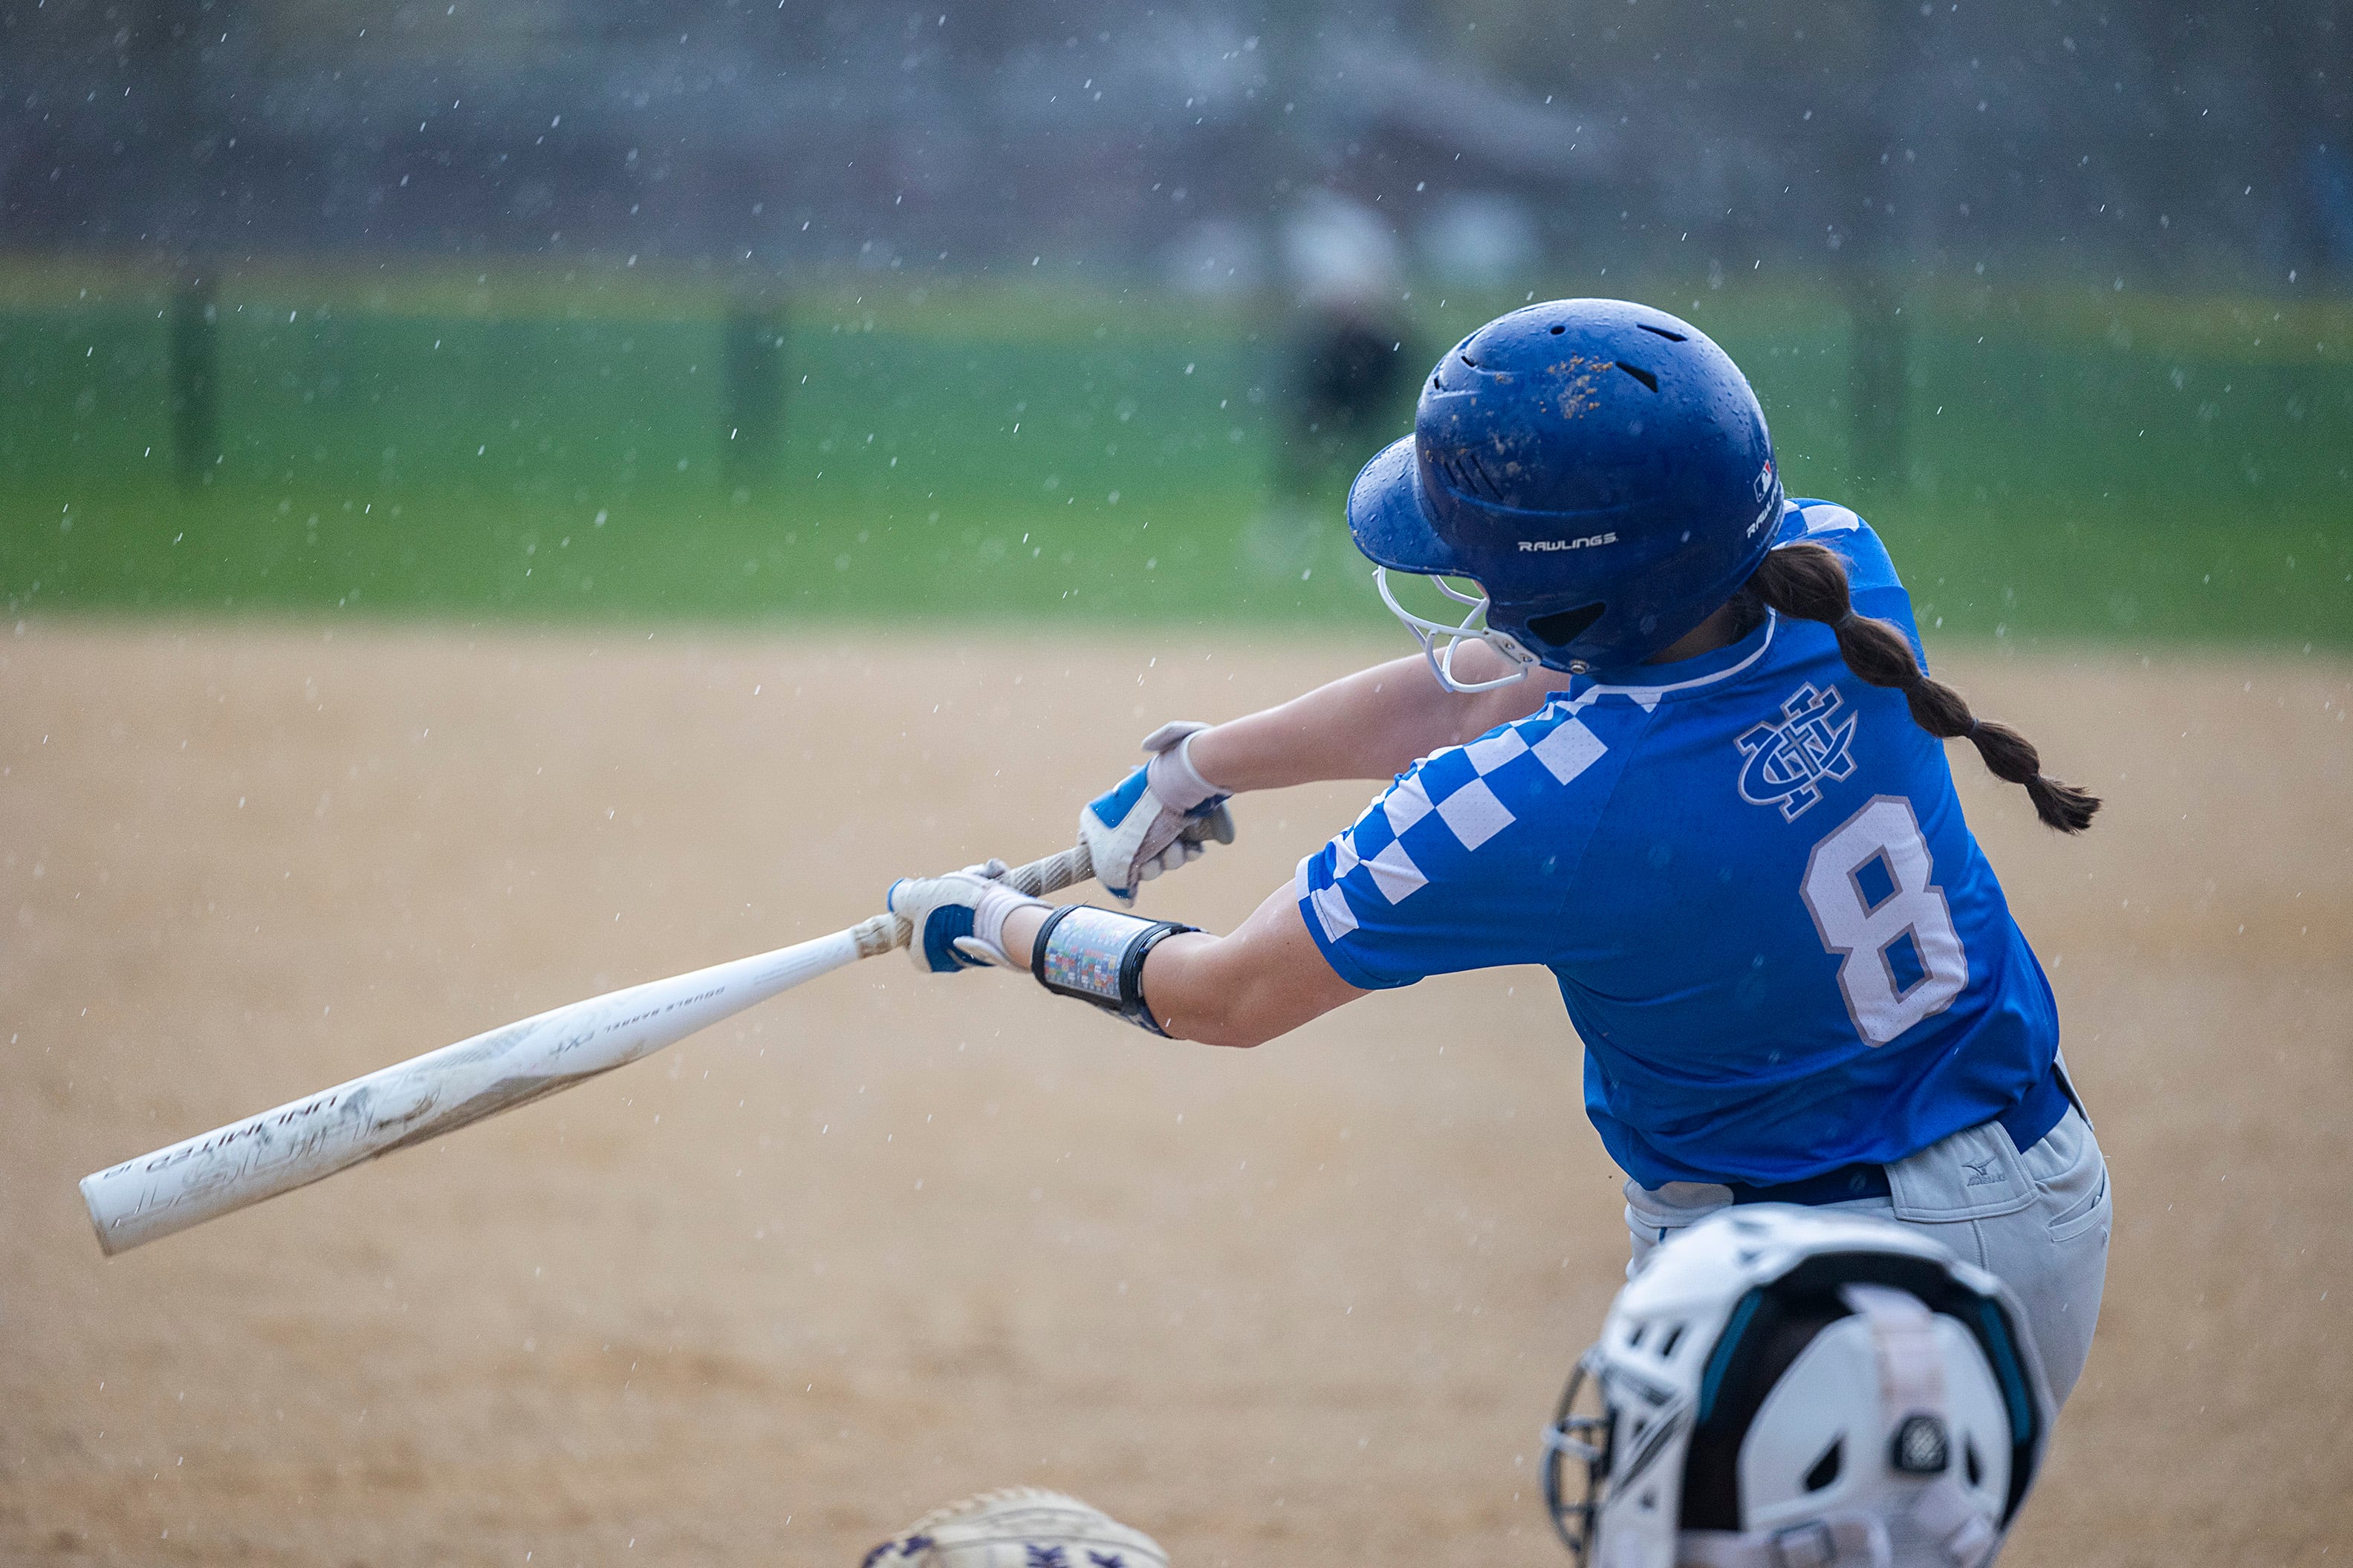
(1097, 955)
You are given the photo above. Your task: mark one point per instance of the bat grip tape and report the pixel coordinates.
(1097, 956)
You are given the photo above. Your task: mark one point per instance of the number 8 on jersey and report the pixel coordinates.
(1867, 887)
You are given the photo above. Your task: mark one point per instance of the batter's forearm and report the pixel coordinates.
(1369, 725)
(1264, 979)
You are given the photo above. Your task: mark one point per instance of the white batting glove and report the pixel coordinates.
(1131, 831)
(958, 919)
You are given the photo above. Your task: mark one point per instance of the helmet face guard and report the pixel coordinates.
(1472, 628)
(1577, 1437)
(1783, 1385)
(1602, 470)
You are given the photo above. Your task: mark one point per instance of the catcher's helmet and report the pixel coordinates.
(1785, 1385)
(1601, 468)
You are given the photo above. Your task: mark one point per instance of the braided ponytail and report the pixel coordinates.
(1810, 582)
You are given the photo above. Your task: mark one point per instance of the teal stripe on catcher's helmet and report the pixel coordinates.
(1601, 468)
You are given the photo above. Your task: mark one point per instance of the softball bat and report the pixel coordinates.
(409, 1103)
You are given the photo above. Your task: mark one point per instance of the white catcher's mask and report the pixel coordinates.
(1787, 1387)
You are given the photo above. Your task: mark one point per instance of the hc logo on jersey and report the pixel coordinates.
(1789, 758)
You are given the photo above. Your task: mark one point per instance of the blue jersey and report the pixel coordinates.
(1783, 949)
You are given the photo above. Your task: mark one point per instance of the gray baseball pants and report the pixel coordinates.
(2038, 1221)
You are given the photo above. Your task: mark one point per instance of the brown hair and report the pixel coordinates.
(1810, 582)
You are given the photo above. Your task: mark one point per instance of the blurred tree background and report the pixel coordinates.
(561, 308)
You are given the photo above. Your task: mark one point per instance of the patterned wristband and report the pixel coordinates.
(1097, 955)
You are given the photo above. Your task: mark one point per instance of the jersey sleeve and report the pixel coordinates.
(1870, 570)
(1466, 861)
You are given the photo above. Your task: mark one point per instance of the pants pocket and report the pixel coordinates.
(2071, 1178)
(2095, 1211)
(2091, 1210)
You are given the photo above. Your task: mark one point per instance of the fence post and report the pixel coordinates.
(751, 393)
(194, 374)
(1881, 383)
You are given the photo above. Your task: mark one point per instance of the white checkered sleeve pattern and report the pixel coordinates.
(1456, 866)
(1824, 517)
(1827, 523)
(1870, 575)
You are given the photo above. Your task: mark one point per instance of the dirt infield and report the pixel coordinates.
(890, 1240)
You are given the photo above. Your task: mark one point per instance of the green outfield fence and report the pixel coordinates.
(623, 440)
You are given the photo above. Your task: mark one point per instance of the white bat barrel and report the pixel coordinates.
(440, 1092)
(305, 1140)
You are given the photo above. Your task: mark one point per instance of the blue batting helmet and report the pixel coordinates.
(1601, 468)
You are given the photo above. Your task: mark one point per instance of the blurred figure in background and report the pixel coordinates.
(1346, 379)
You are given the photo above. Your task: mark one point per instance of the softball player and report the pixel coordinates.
(1682, 751)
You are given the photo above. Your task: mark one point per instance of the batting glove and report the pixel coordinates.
(958, 920)
(1131, 831)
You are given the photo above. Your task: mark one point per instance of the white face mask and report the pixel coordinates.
(1474, 628)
